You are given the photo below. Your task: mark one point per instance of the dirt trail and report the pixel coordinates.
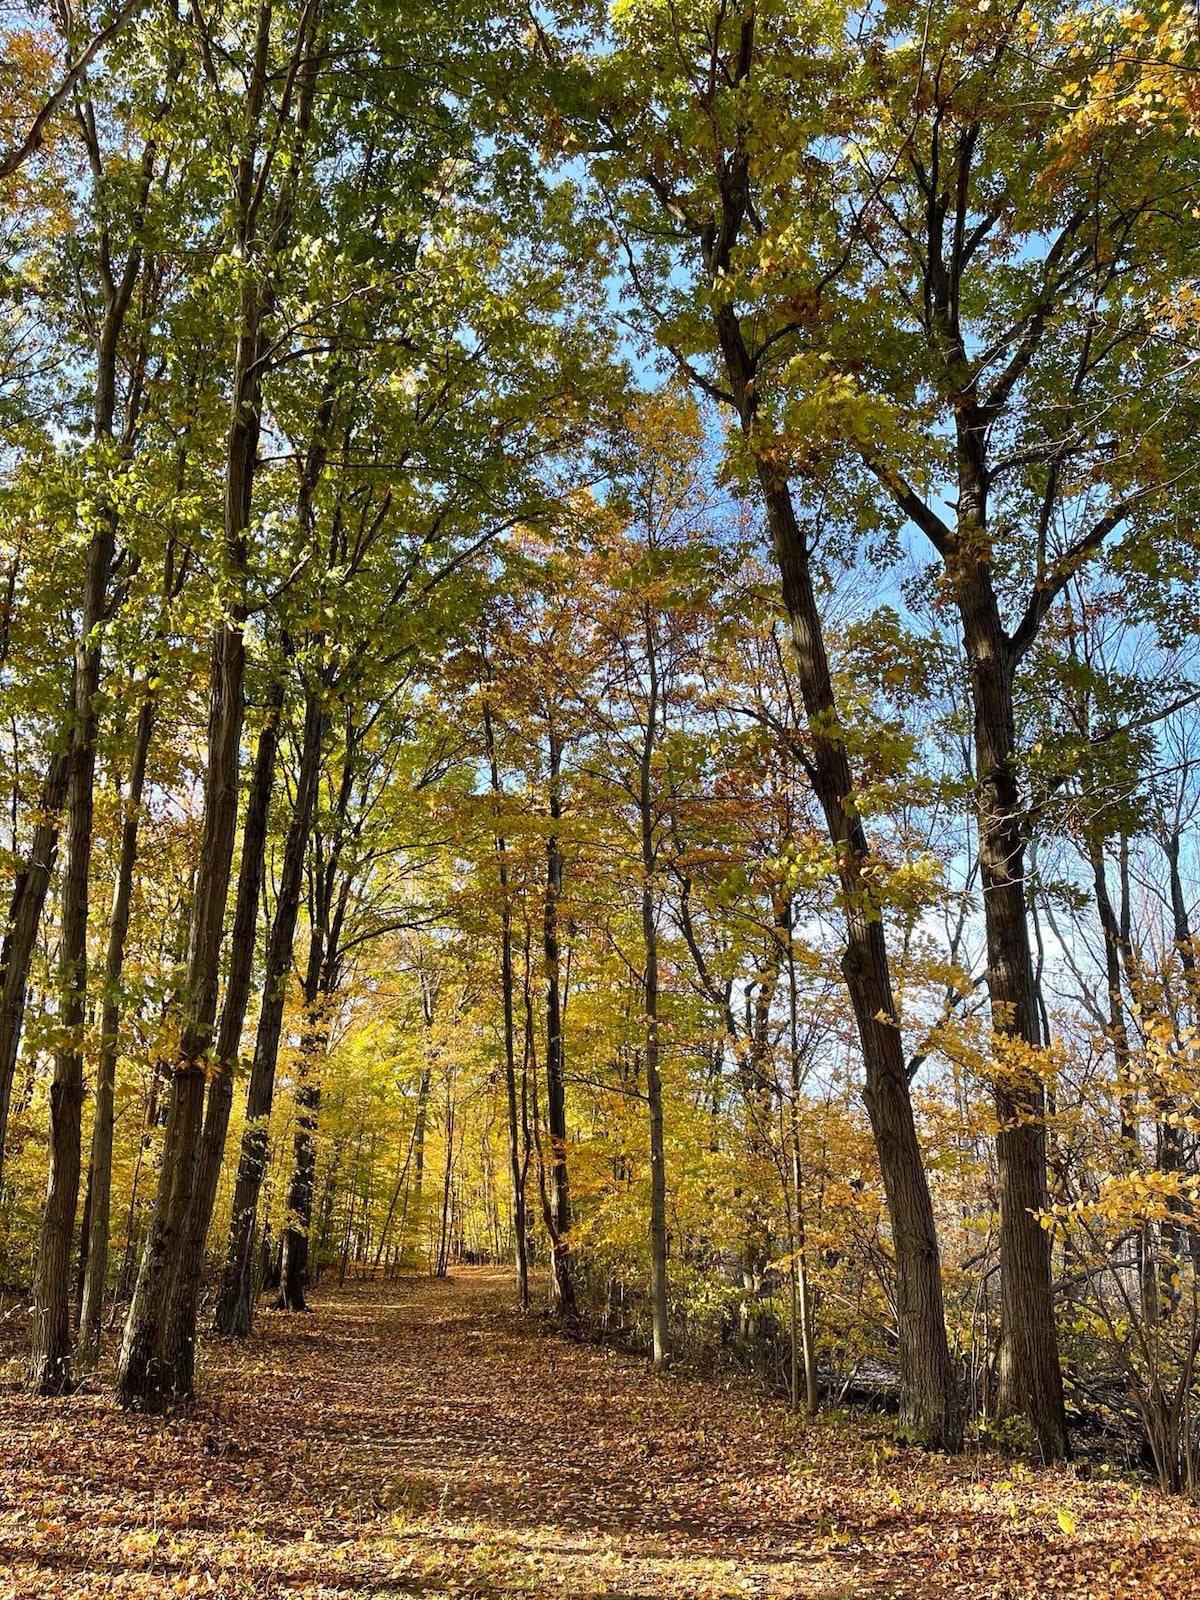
(419, 1438)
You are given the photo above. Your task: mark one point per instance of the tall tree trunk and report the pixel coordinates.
(659, 1304)
(100, 1183)
(24, 919)
(351, 1202)
(930, 1407)
(520, 1231)
(418, 1155)
(50, 1320)
(1172, 1160)
(1118, 1033)
(1114, 954)
(1029, 1376)
(801, 1304)
(931, 1410)
(157, 1357)
(559, 1201)
(219, 1098)
(294, 1261)
(320, 979)
(234, 1308)
(157, 1361)
(443, 1250)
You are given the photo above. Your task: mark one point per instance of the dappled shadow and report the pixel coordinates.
(418, 1437)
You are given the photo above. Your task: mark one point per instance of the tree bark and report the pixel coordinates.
(1029, 1376)
(294, 1271)
(156, 1363)
(294, 1262)
(50, 1319)
(521, 1247)
(930, 1406)
(219, 1097)
(321, 977)
(234, 1306)
(659, 1289)
(24, 919)
(559, 1211)
(157, 1359)
(100, 1184)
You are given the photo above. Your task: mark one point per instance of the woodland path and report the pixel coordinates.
(418, 1438)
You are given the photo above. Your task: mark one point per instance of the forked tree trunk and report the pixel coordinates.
(234, 1306)
(930, 1405)
(156, 1364)
(157, 1359)
(929, 1400)
(219, 1098)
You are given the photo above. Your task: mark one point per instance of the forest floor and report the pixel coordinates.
(418, 1438)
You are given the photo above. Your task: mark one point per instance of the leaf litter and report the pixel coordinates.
(420, 1438)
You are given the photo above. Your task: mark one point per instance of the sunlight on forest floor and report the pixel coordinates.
(415, 1438)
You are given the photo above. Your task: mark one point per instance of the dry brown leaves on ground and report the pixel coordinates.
(418, 1438)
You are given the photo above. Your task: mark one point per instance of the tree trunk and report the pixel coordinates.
(418, 1185)
(234, 1307)
(351, 1202)
(219, 1099)
(294, 1268)
(1115, 958)
(100, 1183)
(443, 1251)
(801, 1305)
(50, 1320)
(559, 1210)
(1169, 1135)
(659, 1301)
(157, 1362)
(321, 979)
(24, 919)
(521, 1247)
(1029, 1377)
(157, 1353)
(930, 1406)
(929, 1401)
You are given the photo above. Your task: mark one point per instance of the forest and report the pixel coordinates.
(600, 776)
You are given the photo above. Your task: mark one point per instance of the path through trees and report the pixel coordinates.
(420, 1438)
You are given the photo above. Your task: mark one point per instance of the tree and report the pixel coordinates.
(157, 1352)
(683, 88)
